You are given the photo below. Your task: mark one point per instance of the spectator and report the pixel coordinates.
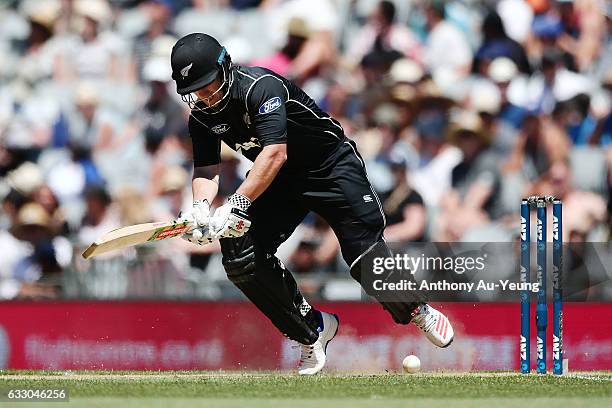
(545, 30)
(496, 44)
(26, 179)
(45, 197)
(38, 61)
(281, 61)
(11, 203)
(540, 143)
(381, 32)
(71, 173)
(552, 84)
(601, 112)
(321, 21)
(404, 209)
(574, 116)
(158, 13)
(446, 47)
(340, 104)
(33, 113)
(431, 121)
(502, 71)
(171, 197)
(162, 117)
(432, 176)
(374, 68)
(517, 16)
(605, 61)
(485, 98)
(91, 56)
(582, 210)
(318, 249)
(32, 256)
(90, 125)
(583, 28)
(100, 216)
(475, 180)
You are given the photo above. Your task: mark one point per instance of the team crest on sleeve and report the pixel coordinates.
(271, 105)
(221, 128)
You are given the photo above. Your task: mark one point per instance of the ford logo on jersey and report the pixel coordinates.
(270, 105)
(222, 128)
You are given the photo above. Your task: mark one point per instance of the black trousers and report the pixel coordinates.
(339, 191)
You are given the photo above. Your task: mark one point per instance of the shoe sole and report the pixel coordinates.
(449, 343)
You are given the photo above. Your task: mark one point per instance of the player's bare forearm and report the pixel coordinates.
(205, 183)
(265, 168)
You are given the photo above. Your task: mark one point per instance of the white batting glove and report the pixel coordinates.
(199, 236)
(231, 220)
(199, 216)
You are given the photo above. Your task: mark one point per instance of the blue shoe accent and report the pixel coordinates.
(319, 318)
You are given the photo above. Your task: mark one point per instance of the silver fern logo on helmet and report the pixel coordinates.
(185, 71)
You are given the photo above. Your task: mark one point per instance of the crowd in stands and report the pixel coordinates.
(459, 108)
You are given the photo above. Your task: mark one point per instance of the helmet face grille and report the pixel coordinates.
(197, 104)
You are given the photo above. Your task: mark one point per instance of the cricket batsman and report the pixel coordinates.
(302, 161)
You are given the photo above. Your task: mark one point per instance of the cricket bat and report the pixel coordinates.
(136, 235)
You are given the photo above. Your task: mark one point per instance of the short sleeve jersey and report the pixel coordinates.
(265, 109)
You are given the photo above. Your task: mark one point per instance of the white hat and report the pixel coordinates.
(450, 82)
(502, 69)
(31, 215)
(484, 96)
(405, 70)
(568, 84)
(157, 69)
(239, 48)
(97, 10)
(42, 12)
(26, 178)
(162, 46)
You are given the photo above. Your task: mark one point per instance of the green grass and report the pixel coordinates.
(228, 389)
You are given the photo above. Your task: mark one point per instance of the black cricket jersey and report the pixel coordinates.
(264, 109)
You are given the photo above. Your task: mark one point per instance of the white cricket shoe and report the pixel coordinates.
(435, 325)
(313, 356)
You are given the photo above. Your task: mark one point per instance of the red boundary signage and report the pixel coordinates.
(235, 336)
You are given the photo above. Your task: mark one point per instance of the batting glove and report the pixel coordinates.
(199, 236)
(199, 216)
(231, 220)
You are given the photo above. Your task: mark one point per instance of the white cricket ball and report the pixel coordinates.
(411, 364)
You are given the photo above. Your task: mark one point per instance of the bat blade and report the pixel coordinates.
(135, 235)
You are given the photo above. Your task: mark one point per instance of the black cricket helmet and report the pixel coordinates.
(197, 60)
